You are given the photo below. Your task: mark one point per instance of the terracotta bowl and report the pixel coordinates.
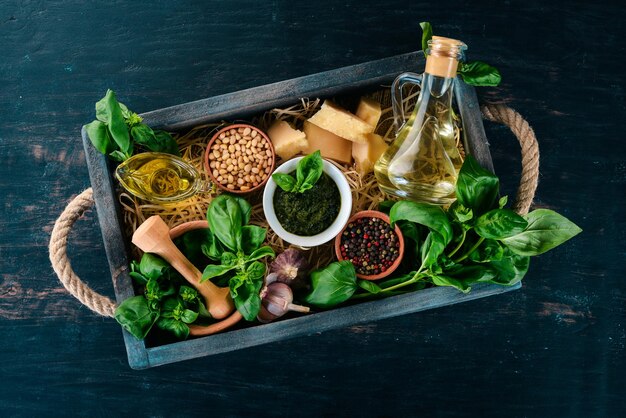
(200, 330)
(211, 144)
(380, 215)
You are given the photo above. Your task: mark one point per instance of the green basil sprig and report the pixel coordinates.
(475, 73)
(308, 172)
(116, 130)
(476, 240)
(234, 250)
(242, 248)
(165, 301)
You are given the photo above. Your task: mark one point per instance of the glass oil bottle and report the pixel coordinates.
(423, 161)
(160, 178)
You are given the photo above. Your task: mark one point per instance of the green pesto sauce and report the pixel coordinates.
(309, 213)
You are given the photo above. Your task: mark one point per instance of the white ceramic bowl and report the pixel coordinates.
(324, 236)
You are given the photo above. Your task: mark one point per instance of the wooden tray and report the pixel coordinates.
(240, 105)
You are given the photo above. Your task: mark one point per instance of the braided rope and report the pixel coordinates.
(106, 307)
(61, 264)
(530, 152)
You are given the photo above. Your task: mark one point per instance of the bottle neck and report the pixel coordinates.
(443, 55)
(441, 66)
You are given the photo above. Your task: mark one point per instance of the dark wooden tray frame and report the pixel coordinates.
(240, 105)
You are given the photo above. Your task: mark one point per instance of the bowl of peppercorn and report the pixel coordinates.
(371, 244)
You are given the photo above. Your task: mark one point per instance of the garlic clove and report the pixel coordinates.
(277, 302)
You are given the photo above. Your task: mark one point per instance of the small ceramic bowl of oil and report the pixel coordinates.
(239, 158)
(160, 178)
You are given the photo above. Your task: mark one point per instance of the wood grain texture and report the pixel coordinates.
(554, 348)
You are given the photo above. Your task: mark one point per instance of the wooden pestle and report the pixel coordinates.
(153, 237)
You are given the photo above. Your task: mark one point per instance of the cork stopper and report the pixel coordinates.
(443, 56)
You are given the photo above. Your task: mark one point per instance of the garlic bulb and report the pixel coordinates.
(291, 267)
(276, 302)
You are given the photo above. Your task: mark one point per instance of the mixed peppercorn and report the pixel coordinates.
(370, 244)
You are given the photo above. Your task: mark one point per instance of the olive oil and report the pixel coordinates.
(423, 161)
(417, 167)
(159, 177)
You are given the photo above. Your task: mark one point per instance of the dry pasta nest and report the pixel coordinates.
(366, 195)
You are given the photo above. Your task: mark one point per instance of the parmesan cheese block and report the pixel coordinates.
(365, 155)
(330, 145)
(369, 111)
(341, 122)
(287, 141)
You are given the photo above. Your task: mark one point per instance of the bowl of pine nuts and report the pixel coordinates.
(239, 158)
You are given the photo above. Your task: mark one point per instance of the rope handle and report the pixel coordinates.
(104, 306)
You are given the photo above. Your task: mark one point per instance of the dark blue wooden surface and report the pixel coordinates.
(554, 348)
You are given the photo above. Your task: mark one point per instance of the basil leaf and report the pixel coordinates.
(234, 284)
(511, 269)
(210, 245)
(191, 244)
(176, 327)
(170, 307)
(474, 273)
(433, 217)
(252, 237)
(125, 112)
(247, 299)
(188, 294)
(460, 213)
(432, 248)
(135, 316)
(225, 220)
(499, 224)
(228, 259)
(118, 156)
(143, 135)
(202, 310)
(285, 181)
(489, 250)
(370, 287)
(332, 285)
(259, 253)
(164, 142)
(160, 292)
(477, 188)
(503, 201)
(427, 34)
(246, 208)
(155, 141)
(215, 270)
(108, 111)
(138, 277)
(546, 229)
(256, 270)
(189, 316)
(309, 171)
(155, 293)
(409, 230)
(478, 73)
(99, 136)
(442, 280)
(152, 266)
